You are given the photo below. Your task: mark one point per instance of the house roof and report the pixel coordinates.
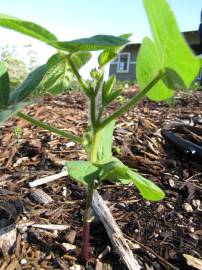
(192, 38)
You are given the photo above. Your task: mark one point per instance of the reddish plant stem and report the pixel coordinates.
(86, 242)
(87, 217)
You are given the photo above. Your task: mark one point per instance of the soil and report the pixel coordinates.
(162, 234)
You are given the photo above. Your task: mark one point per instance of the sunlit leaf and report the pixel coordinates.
(28, 86)
(27, 28)
(58, 75)
(175, 56)
(95, 43)
(4, 86)
(147, 188)
(200, 60)
(82, 171)
(113, 169)
(148, 64)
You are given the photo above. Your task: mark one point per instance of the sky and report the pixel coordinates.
(69, 20)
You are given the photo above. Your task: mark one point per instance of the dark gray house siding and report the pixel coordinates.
(127, 71)
(132, 51)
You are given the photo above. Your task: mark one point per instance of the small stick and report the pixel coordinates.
(50, 226)
(114, 232)
(47, 179)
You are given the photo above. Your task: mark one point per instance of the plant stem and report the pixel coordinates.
(57, 131)
(92, 111)
(87, 217)
(132, 102)
(79, 78)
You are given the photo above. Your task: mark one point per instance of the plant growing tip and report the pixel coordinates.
(162, 64)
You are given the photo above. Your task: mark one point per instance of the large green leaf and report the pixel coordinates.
(58, 75)
(148, 65)
(200, 60)
(82, 171)
(175, 54)
(4, 86)
(28, 86)
(95, 43)
(7, 113)
(114, 169)
(27, 28)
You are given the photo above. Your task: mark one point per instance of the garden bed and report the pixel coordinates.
(161, 234)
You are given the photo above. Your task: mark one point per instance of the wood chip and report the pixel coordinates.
(192, 261)
(40, 196)
(50, 226)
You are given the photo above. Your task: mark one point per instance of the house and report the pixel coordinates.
(124, 66)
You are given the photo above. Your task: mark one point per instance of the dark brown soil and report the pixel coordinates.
(162, 233)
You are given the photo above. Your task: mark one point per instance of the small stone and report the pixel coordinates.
(23, 261)
(70, 144)
(64, 192)
(179, 215)
(187, 207)
(170, 206)
(68, 247)
(191, 229)
(171, 182)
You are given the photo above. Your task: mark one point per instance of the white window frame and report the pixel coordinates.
(128, 62)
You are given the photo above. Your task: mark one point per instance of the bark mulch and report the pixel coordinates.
(163, 235)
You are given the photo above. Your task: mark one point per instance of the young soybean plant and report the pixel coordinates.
(164, 64)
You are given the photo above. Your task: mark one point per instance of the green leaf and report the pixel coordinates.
(104, 142)
(28, 86)
(7, 113)
(96, 74)
(200, 60)
(4, 86)
(175, 54)
(147, 188)
(82, 171)
(81, 58)
(108, 55)
(107, 89)
(95, 43)
(112, 169)
(59, 74)
(27, 28)
(148, 65)
(105, 57)
(113, 96)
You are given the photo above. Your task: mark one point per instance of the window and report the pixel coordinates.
(123, 63)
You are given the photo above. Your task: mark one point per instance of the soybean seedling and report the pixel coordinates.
(164, 64)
